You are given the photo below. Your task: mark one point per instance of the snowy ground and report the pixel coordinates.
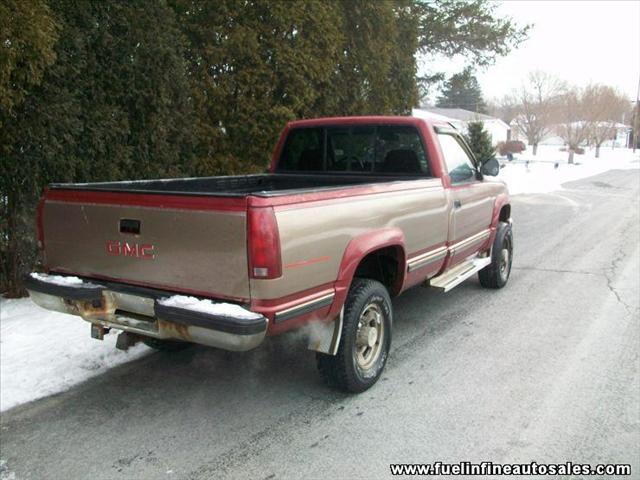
(541, 176)
(43, 352)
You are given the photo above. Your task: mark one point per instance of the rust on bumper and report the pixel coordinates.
(143, 316)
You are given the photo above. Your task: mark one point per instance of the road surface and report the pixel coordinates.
(545, 369)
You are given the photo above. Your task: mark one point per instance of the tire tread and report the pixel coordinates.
(490, 275)
(333, 369)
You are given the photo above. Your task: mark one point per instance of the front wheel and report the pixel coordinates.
(365, 341)
(496, 274)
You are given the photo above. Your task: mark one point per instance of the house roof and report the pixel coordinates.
(456, 115)
(459, 114)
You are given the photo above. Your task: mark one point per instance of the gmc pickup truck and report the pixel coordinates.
(353, 212)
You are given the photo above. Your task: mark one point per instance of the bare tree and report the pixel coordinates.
(574, 126)
(537, 101)
(505, 108)
(605, 108)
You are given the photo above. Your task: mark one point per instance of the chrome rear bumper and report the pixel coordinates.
(143, 315)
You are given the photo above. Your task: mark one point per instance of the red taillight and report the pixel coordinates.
(263, 243)
(39, 220)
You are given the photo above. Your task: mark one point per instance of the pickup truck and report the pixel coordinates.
(352, 212)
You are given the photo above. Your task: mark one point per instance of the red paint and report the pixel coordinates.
(291, 300)
(320, 315)
(428, 270)
(147, 252)
(419, 275)
(125, 249)
(424, 126)
(358, 248)
(181, 202)
(501, 201)
(263, 240)
(304, 263)
(269, 307)
(431, 248)
(434, 154)
(286, 202)
(263, 245)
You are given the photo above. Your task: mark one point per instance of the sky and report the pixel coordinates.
(579, 41)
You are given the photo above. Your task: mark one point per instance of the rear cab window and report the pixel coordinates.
(379, 149)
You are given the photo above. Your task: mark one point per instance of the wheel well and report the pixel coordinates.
(505, 213)
(386, 266)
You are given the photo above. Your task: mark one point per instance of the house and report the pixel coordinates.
(460, 118)
(620, 137)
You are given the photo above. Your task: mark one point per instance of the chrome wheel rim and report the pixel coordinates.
(369, 336)
(505, 261)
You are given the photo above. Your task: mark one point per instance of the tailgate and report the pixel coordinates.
(180, 243)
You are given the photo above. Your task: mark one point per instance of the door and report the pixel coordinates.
(471, 200)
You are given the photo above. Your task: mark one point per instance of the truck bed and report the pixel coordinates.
(174, 235)
(236, 186)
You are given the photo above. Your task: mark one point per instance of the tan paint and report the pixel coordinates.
(205, 251)
(202, 251)
(477, 199)
(324, 229)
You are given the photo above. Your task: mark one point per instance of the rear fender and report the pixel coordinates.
(358, 248)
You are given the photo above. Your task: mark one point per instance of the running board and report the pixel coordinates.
(458, 274)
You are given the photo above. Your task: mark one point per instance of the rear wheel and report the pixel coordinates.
(365, 341)
(496, 274)
(165, 345)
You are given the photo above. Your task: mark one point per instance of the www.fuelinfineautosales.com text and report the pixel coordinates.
(490, 468)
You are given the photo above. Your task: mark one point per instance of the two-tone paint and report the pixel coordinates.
(200, 242)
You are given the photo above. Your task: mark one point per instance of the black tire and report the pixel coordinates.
(165, 345)
(349, 370)
(496, 274)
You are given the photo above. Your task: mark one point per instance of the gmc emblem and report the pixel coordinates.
(126, 249)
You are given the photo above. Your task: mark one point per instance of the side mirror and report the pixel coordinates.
(491, 167)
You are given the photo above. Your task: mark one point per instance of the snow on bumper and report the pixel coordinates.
(221, 325)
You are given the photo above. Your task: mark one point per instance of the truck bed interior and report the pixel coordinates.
(261, 184)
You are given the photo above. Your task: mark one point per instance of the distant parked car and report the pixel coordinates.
(510, 147)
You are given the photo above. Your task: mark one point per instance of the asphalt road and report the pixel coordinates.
(545, 369)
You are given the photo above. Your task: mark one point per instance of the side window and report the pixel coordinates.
(459, 164)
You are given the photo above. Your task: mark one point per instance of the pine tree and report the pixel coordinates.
(376, 69)
(253, 66)
(28, 31)
(468, 28)
(114, 105)
(480, 142)
(462, 90)
(115, 90)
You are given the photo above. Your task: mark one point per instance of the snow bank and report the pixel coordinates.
(540, 174)
(207, 306)
(44, 352)
(57, 279)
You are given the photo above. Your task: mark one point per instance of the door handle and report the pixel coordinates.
(457, 204)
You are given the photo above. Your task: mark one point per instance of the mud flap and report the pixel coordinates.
(325, 337)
